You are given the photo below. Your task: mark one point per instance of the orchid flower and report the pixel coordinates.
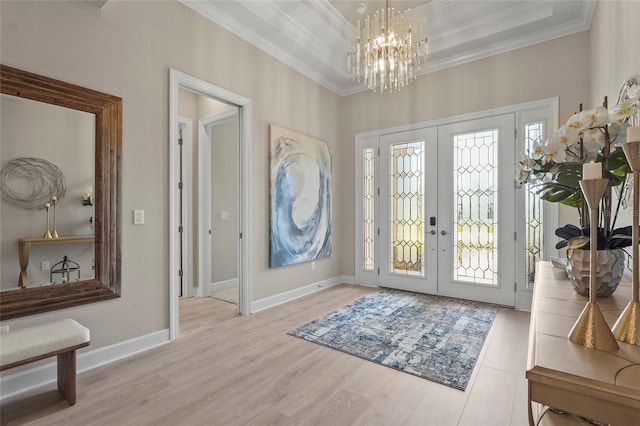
(537, 150)
(565, 136)
(555, 152)
(598, 117)
(578, 121)
(622, 111)
(553, 169)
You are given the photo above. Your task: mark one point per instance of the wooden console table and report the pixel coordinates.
(599, 385)
(24, 247)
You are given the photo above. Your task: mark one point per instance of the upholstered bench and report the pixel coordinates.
(31, 344)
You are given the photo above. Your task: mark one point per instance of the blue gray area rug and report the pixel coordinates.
(437, 338)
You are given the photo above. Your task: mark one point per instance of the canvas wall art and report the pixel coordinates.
(300, 198)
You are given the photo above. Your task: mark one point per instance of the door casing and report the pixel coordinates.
(547, 108)
(179, 80)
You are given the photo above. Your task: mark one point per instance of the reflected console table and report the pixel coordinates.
(599, 385)
(24, 247)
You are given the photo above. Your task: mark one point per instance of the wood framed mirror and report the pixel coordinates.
(107, 109)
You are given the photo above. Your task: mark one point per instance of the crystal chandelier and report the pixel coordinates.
(387, 53)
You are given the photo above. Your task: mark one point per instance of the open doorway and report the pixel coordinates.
(218, 138)
(209, 194)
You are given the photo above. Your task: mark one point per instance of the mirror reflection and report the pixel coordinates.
(43, 139)
(106, 145)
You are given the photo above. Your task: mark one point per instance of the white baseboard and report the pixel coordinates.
(221, 285)
(26, 380)
(348, 279)
(367, 285)
(278, 299)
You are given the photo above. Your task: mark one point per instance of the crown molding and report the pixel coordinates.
(310, 36)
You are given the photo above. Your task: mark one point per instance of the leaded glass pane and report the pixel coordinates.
(406, 205)
(533, 203)
(475, 176)
(368, 209)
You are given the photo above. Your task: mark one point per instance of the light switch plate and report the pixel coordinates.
(138, 217)
(224, 215)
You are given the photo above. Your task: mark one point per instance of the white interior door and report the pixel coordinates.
(476, 257)
(408, 208)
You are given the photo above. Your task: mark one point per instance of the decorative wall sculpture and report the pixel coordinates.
(29, 183)
(300, 198)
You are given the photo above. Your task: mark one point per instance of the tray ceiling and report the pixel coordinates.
(312, 36)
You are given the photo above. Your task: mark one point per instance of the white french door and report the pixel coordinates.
(408, 201)
(476, 203)
(444, 214)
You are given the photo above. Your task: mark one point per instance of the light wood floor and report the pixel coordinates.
(232, 370)
(229, 295)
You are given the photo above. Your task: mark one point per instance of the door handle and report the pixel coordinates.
(443, 232)
(432, 232)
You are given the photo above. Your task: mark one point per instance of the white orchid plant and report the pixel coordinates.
(553, 167)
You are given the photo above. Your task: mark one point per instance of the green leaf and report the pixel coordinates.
(555, 192)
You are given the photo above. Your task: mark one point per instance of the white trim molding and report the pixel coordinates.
(221, 285)
(459, 31)
(32, 378)
(279, 299)
(177, 80)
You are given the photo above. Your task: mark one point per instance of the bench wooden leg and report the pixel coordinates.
(67, 376)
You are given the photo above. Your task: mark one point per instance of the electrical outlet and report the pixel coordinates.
(313, 265)
(138, 217)
(44, 266)
(4, 329)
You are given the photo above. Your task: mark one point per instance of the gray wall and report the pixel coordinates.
(126, 49)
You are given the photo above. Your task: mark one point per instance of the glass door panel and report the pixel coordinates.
(408, 194)
(476, 247)
(534, 210)
(367, 216)
(406, 217)
(475, 219)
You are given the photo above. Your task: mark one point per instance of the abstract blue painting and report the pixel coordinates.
(300, 198)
